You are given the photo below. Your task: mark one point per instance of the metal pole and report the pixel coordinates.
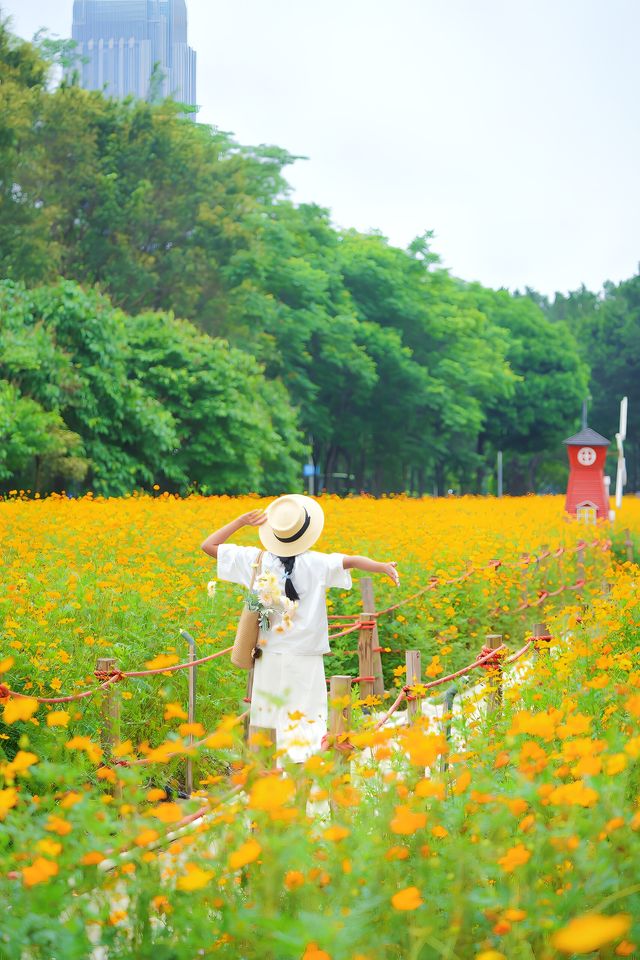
(192, 703)
(499, 473)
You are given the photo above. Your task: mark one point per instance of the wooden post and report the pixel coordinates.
(365, 659)
(540, 630)
(493, 641)
(339, 712)
(369, 604)
(110, 707)
(110, 711)
(414, 676)
(263, 740)
(629, 545)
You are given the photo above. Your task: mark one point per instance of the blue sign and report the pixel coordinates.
(308, 470)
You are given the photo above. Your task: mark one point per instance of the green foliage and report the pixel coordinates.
(33, 439)
(551, 381)
(149, 398)
(401, 376)
(606, 329)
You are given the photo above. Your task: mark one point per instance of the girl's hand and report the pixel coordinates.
(255, 518)
(389, 569)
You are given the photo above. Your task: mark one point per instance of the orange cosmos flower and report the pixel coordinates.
(590, 932)
(407, 899)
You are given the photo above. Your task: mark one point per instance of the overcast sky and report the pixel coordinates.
(509, 127)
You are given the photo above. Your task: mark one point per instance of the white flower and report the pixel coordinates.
(289, 605)
(268, 582)
(211, 588)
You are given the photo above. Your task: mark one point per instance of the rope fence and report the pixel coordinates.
(369, 653)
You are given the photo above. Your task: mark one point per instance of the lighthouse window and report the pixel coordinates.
(587, 514)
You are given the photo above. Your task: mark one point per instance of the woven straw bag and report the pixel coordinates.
(248, 630)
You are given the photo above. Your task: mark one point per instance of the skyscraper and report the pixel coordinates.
(123, 40)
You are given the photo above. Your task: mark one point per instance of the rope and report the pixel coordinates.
(521, 652)
(404, 693)
(394, 706)
(117, 675)
(343, 633)
(177, 666)
(493, 565)
(108, 678)
(7, 692)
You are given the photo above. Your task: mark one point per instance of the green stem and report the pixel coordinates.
(617, 896)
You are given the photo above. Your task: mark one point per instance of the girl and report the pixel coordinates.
(289, 687)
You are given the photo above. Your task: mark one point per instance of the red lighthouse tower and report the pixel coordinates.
(587, 495)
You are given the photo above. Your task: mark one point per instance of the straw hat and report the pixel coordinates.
(293, 525)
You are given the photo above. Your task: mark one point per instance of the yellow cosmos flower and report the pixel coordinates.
(58, 825)
(590, 932)
(92, 858)
(93, 751)
(293, 879)
(19, 708)
(270, 793)
(313, 952)
(195, 878)
(161, 661)
(50, 848)
(175, 710)
(145, 837)
(574, 794)
(167, 812)
(58, 718)
(407, 899)
(336, 833)
(245, 854)
(219, 740)
(406, 821)
(40, 871)
(8, 799)
(424, 748)
(514, 857)
(20, 764)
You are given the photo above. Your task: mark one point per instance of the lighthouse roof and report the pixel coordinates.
(587, 438)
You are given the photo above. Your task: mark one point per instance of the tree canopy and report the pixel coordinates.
(294, 338)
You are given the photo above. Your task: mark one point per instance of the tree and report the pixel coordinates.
(551, 382)
(150, 398)
(34, 445)
(607, 330)
(24, 240)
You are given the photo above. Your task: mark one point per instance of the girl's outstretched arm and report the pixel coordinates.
(373, 566)
(254, 519)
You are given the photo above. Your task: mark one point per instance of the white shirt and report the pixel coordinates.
(313, 574)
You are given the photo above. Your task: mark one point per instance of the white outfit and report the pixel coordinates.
(289, 677)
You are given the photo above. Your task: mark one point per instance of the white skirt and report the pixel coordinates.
(290, 695)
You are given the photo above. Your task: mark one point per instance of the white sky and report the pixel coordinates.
(509, 127)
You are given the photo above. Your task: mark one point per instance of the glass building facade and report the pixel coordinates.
(123, 40)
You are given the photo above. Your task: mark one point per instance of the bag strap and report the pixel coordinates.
(256, 568)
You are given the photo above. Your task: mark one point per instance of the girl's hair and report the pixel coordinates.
(290, 591)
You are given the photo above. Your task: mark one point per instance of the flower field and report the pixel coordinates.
(516, 838)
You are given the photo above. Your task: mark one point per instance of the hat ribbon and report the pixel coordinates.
(296, 536)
